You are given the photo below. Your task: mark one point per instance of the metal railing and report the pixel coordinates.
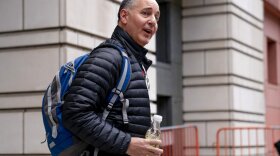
(247, 141)
(180, 141)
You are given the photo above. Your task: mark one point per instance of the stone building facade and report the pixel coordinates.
(210, 62)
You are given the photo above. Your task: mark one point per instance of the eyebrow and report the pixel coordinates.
(150, 8)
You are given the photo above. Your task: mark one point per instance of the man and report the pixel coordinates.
(86, 98)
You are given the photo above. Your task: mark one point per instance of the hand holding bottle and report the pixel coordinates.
(150, 145)
(144, 147)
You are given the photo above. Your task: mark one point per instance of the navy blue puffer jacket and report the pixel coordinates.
(86, 98)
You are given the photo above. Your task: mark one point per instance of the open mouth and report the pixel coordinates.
(149, 31)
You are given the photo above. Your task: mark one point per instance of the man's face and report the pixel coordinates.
(140, 21)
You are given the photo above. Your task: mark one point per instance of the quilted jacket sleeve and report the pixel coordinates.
(84, 101)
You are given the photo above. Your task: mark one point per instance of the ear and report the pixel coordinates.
(123, 16)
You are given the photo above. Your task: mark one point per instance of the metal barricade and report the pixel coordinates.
(180, 141)
(247, 141)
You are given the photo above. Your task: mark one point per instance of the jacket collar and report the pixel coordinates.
(131, 46)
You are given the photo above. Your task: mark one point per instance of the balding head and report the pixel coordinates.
(125, 4)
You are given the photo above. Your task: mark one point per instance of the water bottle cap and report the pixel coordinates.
(158, 118)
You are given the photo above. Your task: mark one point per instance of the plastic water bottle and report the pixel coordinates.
(154, 131)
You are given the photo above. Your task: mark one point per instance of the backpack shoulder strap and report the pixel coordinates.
(122, 83)
(124, 79)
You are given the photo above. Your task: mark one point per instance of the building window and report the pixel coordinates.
(163, 38)
(272, 61)
(164, 109)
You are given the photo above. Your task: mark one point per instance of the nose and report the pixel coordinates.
(152, 21)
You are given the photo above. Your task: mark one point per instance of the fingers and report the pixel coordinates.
(156, 151)
(154, 142)
(153, 147)
(144, 147)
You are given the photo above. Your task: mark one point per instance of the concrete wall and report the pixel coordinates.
(169, 74)
(272, 32)
(223, 69)
(36, 37)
